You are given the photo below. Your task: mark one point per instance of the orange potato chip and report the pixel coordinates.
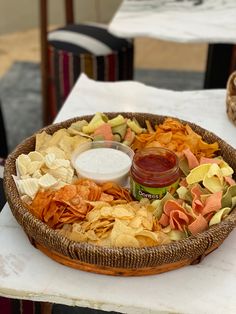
(71, 203)
(176, 136)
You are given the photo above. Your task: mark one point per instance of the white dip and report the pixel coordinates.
(103, 164)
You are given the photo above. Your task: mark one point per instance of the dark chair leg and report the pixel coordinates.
(3, 138)
(69, 10)
(69, 16)
(44, 58)
(219, 65)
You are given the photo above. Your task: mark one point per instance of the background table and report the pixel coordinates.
(204, 288)
(193, 21)
(185, 21)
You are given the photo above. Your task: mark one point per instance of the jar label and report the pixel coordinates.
(140, 191)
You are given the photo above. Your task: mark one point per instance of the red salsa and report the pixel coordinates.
(155, 163)
(154, 172)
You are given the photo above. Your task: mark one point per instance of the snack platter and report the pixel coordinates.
(113, 247)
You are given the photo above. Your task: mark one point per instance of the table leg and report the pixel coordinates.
(220, 63)
(3, 138)
(43, 6)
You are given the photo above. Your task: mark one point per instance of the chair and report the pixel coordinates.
(75, 48)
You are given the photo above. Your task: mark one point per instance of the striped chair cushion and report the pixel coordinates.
(87, 48)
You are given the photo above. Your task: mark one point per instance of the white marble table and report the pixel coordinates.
(210, 21)
(185, 21)
(208, 287)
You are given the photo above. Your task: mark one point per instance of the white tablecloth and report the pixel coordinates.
(204, 288)
(210, 21)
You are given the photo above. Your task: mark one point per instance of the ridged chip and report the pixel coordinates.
(62, 173)
(36, 156)
(47, 181)
(22, 164)
(28, 187)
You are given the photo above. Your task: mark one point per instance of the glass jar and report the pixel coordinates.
(154, 172)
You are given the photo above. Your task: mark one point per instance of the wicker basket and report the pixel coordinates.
(231, 97)
(117, 261)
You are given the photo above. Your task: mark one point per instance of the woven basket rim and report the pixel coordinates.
(70, 247)
(231, 97)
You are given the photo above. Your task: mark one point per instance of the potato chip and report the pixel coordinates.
(22, 163)
(71, 204)
(28, 187)
(37, 174)
(57, 137)
(78, 236)
(47, 181)
(100, 225)
(26, 176)
(116, 191)
(91, 235)
(136, 222)
(62, 143)
(176, 136)
(41, 141)
(36, 156)
(49, 159)
(125, 225)
(120, 228)
(34, 166)
(125, 240)
(145, 241)
(59, 153)
(61, 163)
(105, 234)
(148, 234)
(122, 212)
(106, 211)
(79, 139)
(66, 143)
(52, 162)
(50, 171)
(147, 222)
(62, 173)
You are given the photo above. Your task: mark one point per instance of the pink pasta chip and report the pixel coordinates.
(191, 158)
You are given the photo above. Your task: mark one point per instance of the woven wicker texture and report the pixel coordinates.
(231, 97)
(192, 248)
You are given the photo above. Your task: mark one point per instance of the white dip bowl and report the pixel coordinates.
(103, 161)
